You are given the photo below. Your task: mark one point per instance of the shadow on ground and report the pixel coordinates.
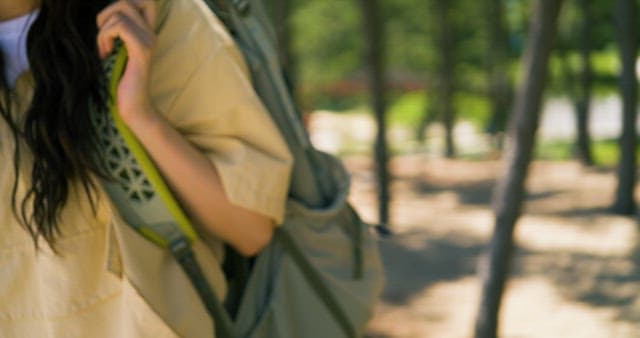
(586, 212)
(612, 282)
(478, 193)
(415, 266)
(419, 259)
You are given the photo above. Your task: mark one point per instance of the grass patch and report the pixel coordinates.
(605, 152)
(408, 109)
(553, 150)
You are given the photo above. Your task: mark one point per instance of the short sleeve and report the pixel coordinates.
(211, 101)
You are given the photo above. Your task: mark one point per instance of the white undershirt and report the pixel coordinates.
(13, 42)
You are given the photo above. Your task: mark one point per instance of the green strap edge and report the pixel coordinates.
(145, 162)
(180, 247)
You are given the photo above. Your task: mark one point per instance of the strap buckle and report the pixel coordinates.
(180, 248)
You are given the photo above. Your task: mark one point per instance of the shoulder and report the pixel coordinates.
(188, 35)
(192, 19)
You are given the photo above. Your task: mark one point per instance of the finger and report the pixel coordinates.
(149, 10)
(137, 40)
(121, 26)
(123, 7)
(107, 34)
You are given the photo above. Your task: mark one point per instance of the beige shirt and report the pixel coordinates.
(107, 280)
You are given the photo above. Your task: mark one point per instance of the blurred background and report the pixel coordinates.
(497, 141)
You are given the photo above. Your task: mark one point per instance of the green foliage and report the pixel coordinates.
(339, 103)
(473, 107)
(601, 24)
(606, 153)
(328, 45)
(408, 35)
(327, 42)
(605, 65)
(517, 15)
(408, 109)
(605, 61)
(603, 54)
(553, 150)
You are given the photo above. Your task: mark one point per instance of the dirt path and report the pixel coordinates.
(574, 275)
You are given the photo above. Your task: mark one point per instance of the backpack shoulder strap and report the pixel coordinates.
(141, 195)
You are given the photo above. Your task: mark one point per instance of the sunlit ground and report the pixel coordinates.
(574, 274)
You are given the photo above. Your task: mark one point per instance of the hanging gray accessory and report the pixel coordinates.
(320, 276)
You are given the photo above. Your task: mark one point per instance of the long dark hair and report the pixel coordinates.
(63, 57)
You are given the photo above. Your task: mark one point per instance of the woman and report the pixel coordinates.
(186, 96)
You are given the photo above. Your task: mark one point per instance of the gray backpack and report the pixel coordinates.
(321, 275)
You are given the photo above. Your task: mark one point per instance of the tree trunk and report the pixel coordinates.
(500, 87)
(627, 41)
(445, 83)
(372, 26)
(583, 104)
(510, 188)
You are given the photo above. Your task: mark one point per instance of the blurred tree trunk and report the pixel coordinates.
(578, 83)
(500, 87)
(626, 23)
(372, 25)
(281, 17)
(510, 189)
(445, 75)
(428, 116)
(567, 72)
(583, 103)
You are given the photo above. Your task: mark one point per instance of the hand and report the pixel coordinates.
(133, 21)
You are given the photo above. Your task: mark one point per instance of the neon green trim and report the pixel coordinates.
(153, 236)
(145, 162)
